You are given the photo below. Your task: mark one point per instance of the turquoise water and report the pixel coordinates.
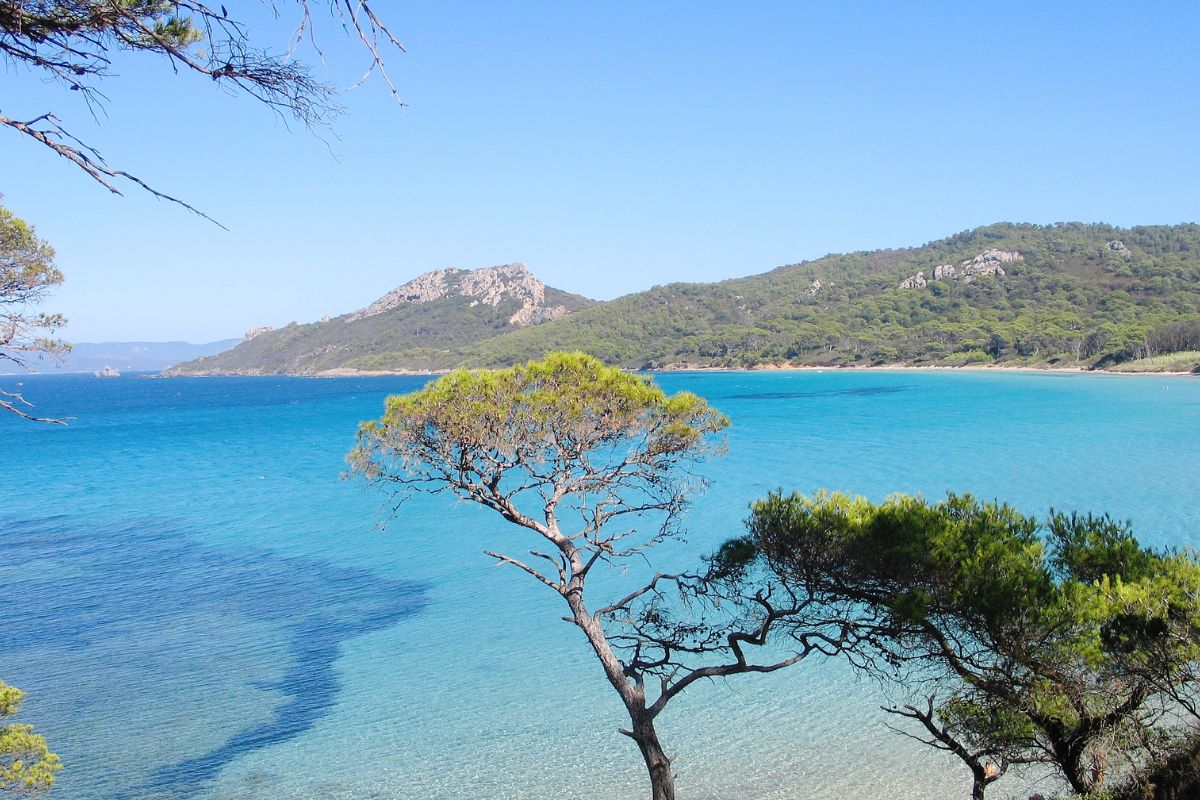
(200, 608)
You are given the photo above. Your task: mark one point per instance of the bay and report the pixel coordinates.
(200, 607)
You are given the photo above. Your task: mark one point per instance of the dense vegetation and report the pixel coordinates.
(1072, 300)
(1090, 295)
(27, 766)
(1063, 643)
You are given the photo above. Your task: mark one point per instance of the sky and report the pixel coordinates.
(608, 146)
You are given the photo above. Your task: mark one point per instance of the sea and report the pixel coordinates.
(200, 605)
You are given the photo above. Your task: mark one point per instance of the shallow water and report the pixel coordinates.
(200, 608)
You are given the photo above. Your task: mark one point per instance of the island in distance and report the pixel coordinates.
(1066, 295)
(120, 356)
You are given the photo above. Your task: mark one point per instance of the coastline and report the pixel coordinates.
(342, 372)
(919, 368)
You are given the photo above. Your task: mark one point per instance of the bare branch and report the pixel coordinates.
(13, 402)
(73, 42)
(624, 602)
(503, 559)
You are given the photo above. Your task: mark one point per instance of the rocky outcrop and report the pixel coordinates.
(533, 314)
(989, 262)
(489, 286)
(1117, 246)
(815, 288)
(250, 334)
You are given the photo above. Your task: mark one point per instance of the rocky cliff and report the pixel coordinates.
(489, 286)
(989, 262)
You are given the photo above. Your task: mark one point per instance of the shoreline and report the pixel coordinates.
(921, 368)
(342, 372)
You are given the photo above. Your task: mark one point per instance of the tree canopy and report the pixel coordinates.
(27, 274)
(567, 425)
(26, 764)
(1060, 641)
(74, 43)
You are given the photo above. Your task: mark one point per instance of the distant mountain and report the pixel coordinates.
(417, 325)
(123, 356)
(1071, 294)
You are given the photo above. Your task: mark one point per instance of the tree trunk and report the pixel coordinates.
(1071, 762)
(662, 781)
(980, 782)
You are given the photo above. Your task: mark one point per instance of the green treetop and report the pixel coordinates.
(26, 764)
(27, 274)
(1062, 641)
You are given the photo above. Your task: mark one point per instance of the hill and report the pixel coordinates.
(1070, 294)
(416, 326)
(1017, 294)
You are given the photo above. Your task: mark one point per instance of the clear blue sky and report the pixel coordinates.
(612, 146)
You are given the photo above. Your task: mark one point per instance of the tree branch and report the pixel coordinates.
(12, 402)
(55, 137)
(501, 558)
(72, 42)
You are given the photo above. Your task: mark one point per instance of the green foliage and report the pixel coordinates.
(1090, 548)
(1174, 337)
(539, 413)
(26, 764)
(732, 561)
(1186, 361)
(925, 561)
(987, 725)
(27, 274)
(1064, 641)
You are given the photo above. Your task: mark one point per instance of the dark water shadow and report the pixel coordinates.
(75, 585)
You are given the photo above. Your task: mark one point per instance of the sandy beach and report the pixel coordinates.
(343, 372)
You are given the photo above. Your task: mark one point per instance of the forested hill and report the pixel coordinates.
(1068, 294)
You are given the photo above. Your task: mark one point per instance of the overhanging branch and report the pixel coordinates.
(46, 130)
